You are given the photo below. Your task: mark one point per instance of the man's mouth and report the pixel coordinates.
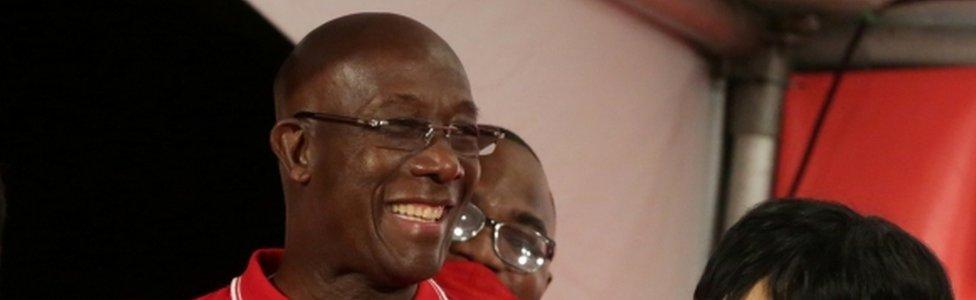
(418, 212)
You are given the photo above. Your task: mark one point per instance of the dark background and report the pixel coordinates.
(133, 143)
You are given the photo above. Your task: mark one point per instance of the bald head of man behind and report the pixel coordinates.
(370, 187)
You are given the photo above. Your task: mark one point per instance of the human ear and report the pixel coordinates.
(290, 146)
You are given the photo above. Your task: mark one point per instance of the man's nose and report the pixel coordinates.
(478, 249)
(439, 162)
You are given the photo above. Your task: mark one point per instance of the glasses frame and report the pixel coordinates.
(495, 226)
(491, 133)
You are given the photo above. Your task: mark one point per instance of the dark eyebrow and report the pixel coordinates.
(407, 97)
(467, 106)
(531, 220)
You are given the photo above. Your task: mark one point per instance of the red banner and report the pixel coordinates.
(900, 144)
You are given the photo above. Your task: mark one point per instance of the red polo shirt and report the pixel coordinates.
(469, 280)
(254, 284)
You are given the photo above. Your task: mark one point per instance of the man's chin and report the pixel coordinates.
(412, 268)
(413, 251)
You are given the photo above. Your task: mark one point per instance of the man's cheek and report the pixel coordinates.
(472, 173)
(378, 165)
(371, 161)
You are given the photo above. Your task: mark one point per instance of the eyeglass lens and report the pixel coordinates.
(520, 248)
(515, 246)
(412, 135)
(470, 221)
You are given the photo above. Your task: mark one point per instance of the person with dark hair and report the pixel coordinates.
(808, 249)
(506, 231)
(377, 144)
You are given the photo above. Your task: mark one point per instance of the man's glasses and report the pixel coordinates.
(467, 140)
(524, 249)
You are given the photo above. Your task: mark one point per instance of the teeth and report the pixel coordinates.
(418, 212)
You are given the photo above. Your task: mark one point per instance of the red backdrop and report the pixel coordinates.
(900, 144)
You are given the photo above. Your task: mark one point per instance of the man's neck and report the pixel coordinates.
(306, 281)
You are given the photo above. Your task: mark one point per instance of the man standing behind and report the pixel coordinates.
(377, 148)
(506, 232)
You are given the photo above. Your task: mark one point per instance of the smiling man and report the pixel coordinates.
(377, 148)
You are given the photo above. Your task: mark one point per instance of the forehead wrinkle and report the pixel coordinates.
(389, 84)
(408, 104)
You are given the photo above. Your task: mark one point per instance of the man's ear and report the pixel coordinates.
(290, 145)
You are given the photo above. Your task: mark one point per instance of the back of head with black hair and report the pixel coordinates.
(808, 249)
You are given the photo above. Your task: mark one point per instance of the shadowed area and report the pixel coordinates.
(135, 148)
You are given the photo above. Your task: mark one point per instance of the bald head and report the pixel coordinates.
(336, 61)
(341, 182)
